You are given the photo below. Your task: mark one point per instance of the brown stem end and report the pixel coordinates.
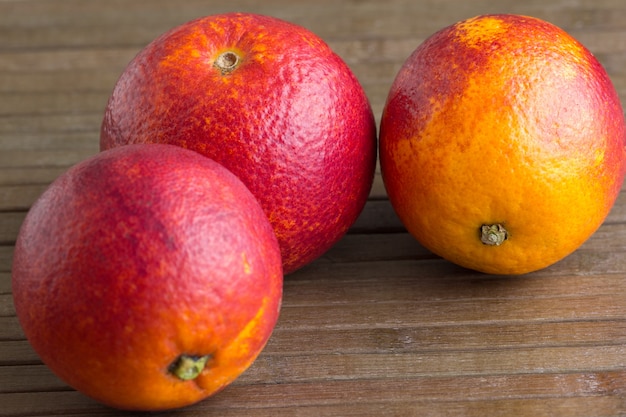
(493, 234)
(227, 62)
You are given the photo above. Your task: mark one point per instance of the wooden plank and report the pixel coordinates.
(51, 404)
(159, 16)
(40, 103)
(506, 394)
(55, 123)
(67, 59)
(10, 329)
(452, 312)
(429, 316)
(17, 352)
(20, 197)
(320, 367)
(5, 282)
(9, 226)
(29, 176)
(44, 159)
(426, 313)
(29, 378)
(579, 263)
(484, 338)
(91, 80)
(334, 367)
(6, 259)
(519, 407)
(6, 305)
(354, 51)
(336, 290)
(460, 388)
(544, 407)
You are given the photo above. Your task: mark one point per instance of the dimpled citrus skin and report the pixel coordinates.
(139, 255)
(290, 120)
(502, 119)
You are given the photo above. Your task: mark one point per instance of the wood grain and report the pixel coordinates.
(378, 326)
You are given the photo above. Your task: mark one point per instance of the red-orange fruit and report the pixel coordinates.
(147, 277)
(271, 102)
(502, 144)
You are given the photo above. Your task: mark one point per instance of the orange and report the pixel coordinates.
(271, 102)
(147, 277)
(502, 144)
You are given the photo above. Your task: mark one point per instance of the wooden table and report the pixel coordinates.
(377, 326)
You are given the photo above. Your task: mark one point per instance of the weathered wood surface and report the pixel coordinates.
(377, 326)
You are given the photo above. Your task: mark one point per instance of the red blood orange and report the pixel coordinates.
(271, 102)
(147, 277)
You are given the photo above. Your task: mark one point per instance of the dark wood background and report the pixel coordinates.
(378, 326)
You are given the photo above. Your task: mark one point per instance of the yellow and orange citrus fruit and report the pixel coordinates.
(502, 144)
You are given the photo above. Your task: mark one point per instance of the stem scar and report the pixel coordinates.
(188, 367)
(227, 62)
(493, 234)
